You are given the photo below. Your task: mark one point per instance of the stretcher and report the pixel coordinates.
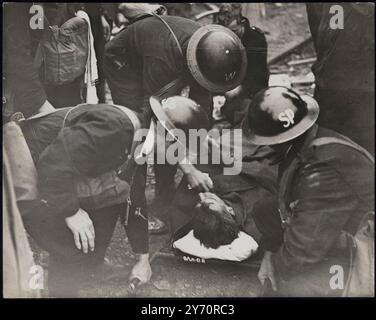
(168, 252)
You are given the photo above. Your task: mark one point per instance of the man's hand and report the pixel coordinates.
(83, 230)
(141, 270)
(267, 270)
(199, 181)
(212, 202)
(106, 28)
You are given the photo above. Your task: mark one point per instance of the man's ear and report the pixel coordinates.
(231, 229)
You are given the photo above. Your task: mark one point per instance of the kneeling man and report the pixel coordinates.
(92, 143)
(326, 191)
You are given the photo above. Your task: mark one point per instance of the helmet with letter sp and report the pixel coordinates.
(279, 114)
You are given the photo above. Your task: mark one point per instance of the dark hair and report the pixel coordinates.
(213, 229)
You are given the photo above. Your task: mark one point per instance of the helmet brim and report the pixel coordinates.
(193, 65)
(161, 115)
(307, 122)
(167, 124)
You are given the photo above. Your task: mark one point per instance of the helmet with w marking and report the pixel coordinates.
(216, 58)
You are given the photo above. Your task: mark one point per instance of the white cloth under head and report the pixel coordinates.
(240, 249)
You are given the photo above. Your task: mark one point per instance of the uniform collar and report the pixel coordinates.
(299, 148)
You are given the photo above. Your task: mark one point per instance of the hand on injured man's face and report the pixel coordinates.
(197, 180)
(212, 202)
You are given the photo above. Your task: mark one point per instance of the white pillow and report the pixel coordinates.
(240, 249)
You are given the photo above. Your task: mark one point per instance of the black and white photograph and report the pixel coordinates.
(188, 150)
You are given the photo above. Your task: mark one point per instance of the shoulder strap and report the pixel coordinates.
(285, 183)
(176, 82)
(344, 141)
(287, 177)
(170, 87)
(172, 32)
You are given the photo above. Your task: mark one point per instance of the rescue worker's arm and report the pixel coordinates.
(116, 51)
(141, 270)
(257, 76)
(197, 180)
(137, 227)
(324, 202)
(93, 145)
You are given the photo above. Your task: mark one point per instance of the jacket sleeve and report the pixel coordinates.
(321, 205)
(257, 76)
(115, 50)
(91, 146)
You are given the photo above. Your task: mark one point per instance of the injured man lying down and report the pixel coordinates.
(228, 222)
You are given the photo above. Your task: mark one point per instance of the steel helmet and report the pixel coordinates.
(173, 113)
(179, 112)
(279, 114)
(216, 58)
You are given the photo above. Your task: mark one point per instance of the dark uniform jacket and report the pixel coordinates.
(98, 139)
(144, 57)
(331, 190)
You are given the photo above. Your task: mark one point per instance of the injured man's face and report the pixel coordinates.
(213, 223)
